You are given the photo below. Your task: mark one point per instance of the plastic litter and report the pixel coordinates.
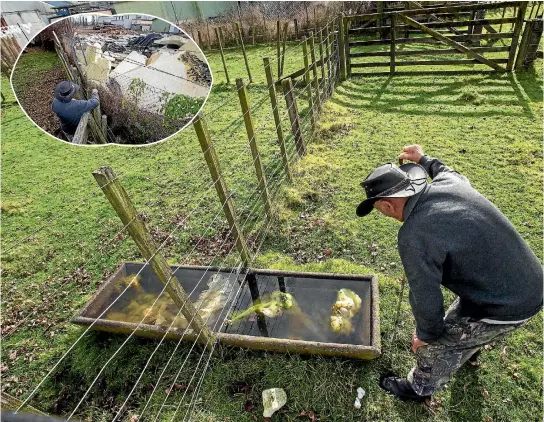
(360, 394)
(273, 400)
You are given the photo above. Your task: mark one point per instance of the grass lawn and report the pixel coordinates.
(60, 240)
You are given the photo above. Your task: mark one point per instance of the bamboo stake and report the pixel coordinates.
(121, 203)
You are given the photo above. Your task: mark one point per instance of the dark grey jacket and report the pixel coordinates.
(454, 237)
(70, 112)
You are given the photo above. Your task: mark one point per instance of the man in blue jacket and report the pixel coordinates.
(70, 110)
(452, 236)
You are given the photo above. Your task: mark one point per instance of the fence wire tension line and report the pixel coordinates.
(199, 305)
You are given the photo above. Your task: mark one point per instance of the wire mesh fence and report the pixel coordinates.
(278, 119)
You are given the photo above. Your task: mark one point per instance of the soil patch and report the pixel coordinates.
(36, 94)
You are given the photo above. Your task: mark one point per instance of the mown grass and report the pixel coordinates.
(495, 143)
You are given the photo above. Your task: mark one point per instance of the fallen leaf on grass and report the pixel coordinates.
(310, 414)
(249, 406)
(488, 419)
(485, 393)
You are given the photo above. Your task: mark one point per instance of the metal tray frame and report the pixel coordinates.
(245, 341)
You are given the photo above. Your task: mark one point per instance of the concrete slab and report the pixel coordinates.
(166, 75)
(99, 70)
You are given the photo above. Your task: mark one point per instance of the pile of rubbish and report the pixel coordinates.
(197, 70)
(163, 65)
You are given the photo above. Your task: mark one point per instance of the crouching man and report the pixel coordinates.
(70, 110)
(452, 236)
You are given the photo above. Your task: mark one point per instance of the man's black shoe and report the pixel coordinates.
(400, 388)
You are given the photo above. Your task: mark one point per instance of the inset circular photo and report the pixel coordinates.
(97, 79)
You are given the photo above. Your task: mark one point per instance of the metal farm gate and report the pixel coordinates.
(446, 30)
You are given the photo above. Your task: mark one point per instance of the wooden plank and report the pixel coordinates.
(426, 62)
(427, 73)
(82, 131)
(427, 40)
(296, 127)
(417, 5)
(277, 119)
(451, 42)
(225, 200)
(459, 23)
(430, 52)
(522, 50)
(517, 30)
(138, 231)
(437, 10)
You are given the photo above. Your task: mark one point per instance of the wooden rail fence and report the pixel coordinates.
(455, 29)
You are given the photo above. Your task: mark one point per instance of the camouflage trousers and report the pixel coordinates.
(463, 337)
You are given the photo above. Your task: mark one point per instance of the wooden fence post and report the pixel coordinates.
(244, 51)
(121, 203)
(82, 131)
(296, 127)
(307, 81)
(341, 48)
(346, 47)
(522, 50)
(250, 130)
(515, 37)
(104, 125)
(328, 50)
(217, 178)
(278, 35)
(276, 113)
(285, 27)
(321, 59)
(219, 36)
(315, 79)
(209, 36)
(380, 21)
(393, 44)
(296, 29)
(200, 44)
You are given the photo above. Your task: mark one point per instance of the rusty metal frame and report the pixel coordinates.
(246, 341)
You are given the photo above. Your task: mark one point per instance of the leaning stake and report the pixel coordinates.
(121, 203)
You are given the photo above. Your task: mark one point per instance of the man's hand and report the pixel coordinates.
(95, 91)
(417, 343)
(412, 153)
